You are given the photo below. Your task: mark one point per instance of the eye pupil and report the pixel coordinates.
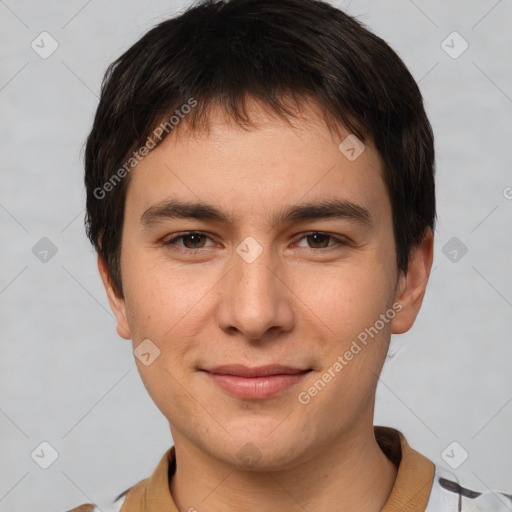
(321, 236)
(195, 237)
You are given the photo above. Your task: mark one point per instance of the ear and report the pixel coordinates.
(117, 303)
(411, 285)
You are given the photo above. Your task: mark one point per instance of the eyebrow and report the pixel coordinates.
(327, 209)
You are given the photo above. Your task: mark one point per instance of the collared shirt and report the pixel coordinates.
(420, 486)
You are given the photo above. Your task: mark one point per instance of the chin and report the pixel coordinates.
(261, 452)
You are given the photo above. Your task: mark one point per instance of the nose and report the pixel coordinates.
(255, 299)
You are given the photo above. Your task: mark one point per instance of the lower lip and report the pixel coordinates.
(256, 388)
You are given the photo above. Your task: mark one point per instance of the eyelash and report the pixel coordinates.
(172, 241)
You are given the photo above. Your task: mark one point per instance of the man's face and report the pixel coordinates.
(257, 292)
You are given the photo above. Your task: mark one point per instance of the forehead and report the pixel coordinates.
(263, 165)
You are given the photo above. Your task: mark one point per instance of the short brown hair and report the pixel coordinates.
(220, 52)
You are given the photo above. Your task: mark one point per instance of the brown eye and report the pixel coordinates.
(190, 241)
(319, 240)
(195, 240)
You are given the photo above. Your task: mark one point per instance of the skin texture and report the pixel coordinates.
(301, 302)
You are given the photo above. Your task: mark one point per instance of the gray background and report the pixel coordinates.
(67, 378)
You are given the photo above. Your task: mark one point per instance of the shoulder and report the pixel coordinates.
(133, 496)
(448, 495)
(114, 505)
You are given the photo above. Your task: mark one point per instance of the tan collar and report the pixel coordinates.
(415, 475)
(410, 492)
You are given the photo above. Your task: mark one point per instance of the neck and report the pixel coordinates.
(352, 474)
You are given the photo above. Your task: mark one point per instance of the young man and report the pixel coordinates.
(260, 193)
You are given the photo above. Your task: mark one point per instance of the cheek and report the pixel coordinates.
(157, 295)
(171, 307)
(350, 297)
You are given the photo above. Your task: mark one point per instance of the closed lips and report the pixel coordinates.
(260, 371)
